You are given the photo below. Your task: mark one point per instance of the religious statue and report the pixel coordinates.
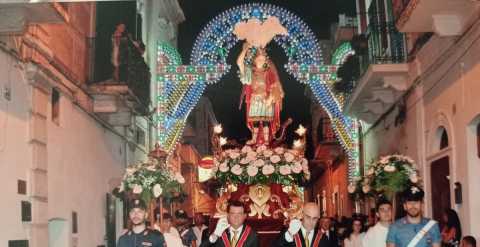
(262, 91)
(262, 88)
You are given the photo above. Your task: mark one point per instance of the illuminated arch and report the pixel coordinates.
(180, 86)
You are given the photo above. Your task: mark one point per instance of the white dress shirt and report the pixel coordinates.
(376, 236)
(213, 238)
(198, 233)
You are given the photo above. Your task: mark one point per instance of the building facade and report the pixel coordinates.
(64, 140)
(416, 95)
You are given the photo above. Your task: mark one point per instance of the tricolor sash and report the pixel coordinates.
(317, 238)
(241, 240)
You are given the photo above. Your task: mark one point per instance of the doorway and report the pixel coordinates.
(440, 176)
(58, 233)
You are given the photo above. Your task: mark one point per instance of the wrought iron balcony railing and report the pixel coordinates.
(133, 71)
(381, 44)
(385, 45)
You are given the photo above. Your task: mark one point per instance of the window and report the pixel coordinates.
(443, 139)
(140, 136)
(22, 187)
(74, 222)
(55, 105)
(478, 140)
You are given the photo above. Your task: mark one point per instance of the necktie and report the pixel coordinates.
(307, 241)
(234, 238)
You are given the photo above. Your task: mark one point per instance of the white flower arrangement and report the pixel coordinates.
(149, 180)
(261, 165)
(392, 174)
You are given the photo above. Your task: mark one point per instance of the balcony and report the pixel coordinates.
(444, 17)
(118, 100)
(383, 71)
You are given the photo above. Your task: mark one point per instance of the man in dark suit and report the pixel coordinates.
(329, 239)
(232, 231)
(303, 233)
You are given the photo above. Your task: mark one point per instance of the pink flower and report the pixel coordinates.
(384, 160)
(252, 170)
(234, 155)
(246, 149)
(261, 148)
(223, 167)
(268, 169)
(252, 155)
(304, 162)
(285, 170)
(180, 179)
(275, 159)
(389, 168)
(237, 170)
(151, 168)
(413, 178)
(268, 153)
(297, 168)
(258, 163)
(279, 150)
(137, 189)
(289, 157)
(244, 161)
(157, 190)
(305, 169)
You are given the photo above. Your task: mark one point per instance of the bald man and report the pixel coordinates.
(303, 233)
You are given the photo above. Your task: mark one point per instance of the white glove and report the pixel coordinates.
(222, 225)
(294, 226)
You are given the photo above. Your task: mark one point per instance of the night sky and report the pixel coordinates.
(225, 95)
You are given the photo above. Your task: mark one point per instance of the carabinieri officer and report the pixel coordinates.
(139, 235)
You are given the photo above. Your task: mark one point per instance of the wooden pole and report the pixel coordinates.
(151, 212)
(161, 209)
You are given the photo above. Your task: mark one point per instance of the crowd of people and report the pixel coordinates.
(313, 230)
